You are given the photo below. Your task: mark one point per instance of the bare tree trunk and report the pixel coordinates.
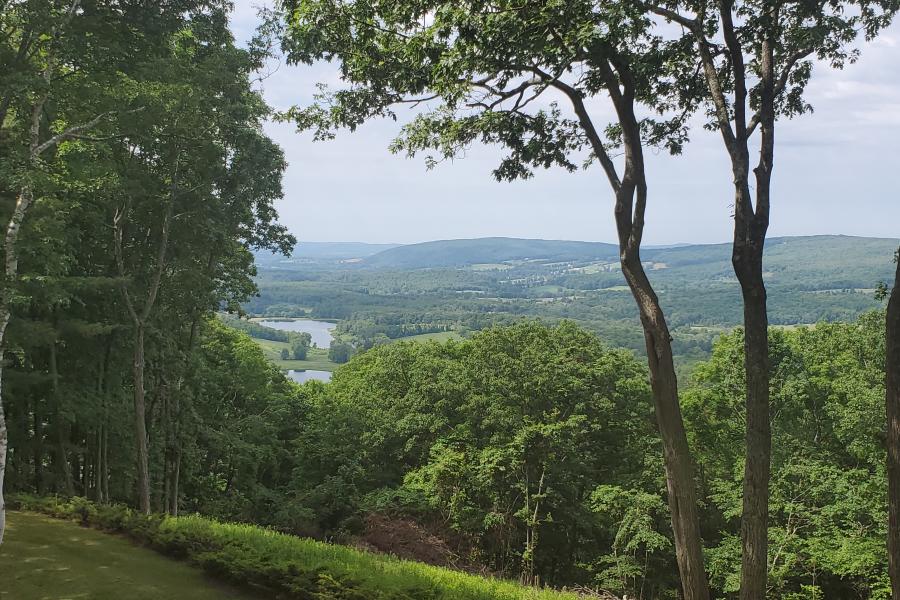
(4, 440)
(140, 322)
(11, 269)
(62, 429)
(630, 210)
(104, 482)
(140, 423)
(631, 203)
(892, 402)
(38, 447)
(679, 465)
(750, 227)
(176, 477)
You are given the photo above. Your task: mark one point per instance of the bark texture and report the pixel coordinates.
(892, 402)
(140, 422)
(630, 209)
(751, 223)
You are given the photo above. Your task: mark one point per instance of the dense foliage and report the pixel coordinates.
(135, 221)
(530, 451)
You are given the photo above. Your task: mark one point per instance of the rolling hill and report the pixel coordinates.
(459, 253)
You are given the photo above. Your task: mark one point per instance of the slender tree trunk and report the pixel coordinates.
(140, 424)
(104, 481)
(750, 227)
(140, 321)
(4, 440)
(38, 447)
(176, 477)
(98, 465)
(14, 225)
(892, 402)
(679, 465)
(631, 203)
(11, 270)
(747, 259)
(62, 429)
(630, 210)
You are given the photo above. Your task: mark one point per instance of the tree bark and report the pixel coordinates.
(750, 227)
(892, 402)
(140, 424)
(630, 209)
(680, 484)
(11, 266)
(62, 429)
(38, 447)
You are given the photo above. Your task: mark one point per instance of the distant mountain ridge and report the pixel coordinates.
(832, 251)
(466, 252)
(325, 251)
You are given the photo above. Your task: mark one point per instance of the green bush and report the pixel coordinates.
(286, 566)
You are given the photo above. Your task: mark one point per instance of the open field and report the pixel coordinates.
(316, 359)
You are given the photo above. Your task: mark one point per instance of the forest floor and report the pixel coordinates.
(44, 558)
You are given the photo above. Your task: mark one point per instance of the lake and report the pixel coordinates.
(319, 330)
(309, 375)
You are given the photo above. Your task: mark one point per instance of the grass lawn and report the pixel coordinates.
(44, 558)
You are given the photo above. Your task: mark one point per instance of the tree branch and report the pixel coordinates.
(587, 124)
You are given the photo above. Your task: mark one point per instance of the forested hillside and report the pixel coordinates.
(465, 285)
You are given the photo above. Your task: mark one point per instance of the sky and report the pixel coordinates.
(837, 171)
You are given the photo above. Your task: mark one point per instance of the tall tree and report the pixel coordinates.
(37, 49)
(892, 401)
(197, 182)
(488, 65)
(754, 57)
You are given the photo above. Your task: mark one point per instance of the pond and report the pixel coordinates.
(309, 375)
(319, 330)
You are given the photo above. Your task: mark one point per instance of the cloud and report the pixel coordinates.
(836, 172)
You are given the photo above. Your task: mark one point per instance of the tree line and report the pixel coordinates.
(135, 180)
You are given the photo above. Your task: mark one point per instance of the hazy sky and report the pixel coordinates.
(836, 171)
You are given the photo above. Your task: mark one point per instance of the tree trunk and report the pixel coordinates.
(140, 423)
(679, 466)
(176, 476)
(62, 429)
(747, 260)
(4, 440)
(38, 447)
(104, 481)
(892, 402)
(11, 270)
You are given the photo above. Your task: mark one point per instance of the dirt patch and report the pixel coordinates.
(407, 539)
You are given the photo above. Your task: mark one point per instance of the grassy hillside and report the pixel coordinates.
(282, 566)
(47, 558)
